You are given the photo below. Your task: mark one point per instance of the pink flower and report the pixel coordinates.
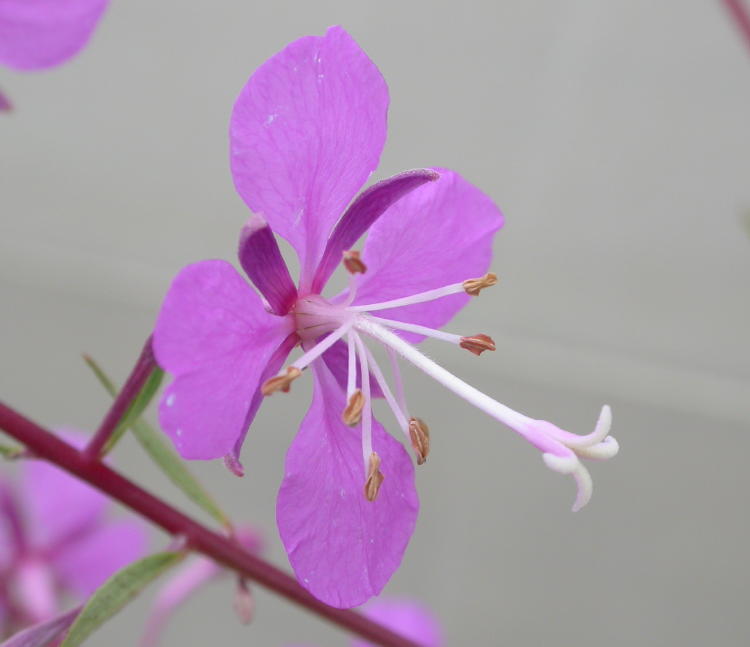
(407, 617)
(37, 34)
(56, 539)
(306, 132)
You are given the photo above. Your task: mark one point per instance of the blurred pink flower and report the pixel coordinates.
(306, 132)
(56, 543)
(37, 34)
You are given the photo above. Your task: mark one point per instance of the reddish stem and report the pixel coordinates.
(215, 546)
(132, 387)
(741, 16)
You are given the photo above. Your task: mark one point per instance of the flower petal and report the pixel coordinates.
(56, 505)
(439, 234)
(261, 259)
(85, 563)
(362, 213)
(306, 132)
(44, 33)
(342, 547)
(214, 334)
(409, 618)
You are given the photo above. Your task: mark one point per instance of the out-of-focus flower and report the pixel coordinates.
(37, 34)
(409, 618)
(306, 132)
(57, 543)
(192, 576)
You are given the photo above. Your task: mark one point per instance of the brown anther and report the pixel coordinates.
(281, 382)
(475, 286)
(353, 263)
(477, 344)
(419, 433)
(353, 412)
(374, 478)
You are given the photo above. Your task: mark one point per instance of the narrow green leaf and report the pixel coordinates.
(137, 407)
(10, 453)
(173, 466)
(163, 455)
(116, 592)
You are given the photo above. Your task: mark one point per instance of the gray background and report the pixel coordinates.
(614, 135)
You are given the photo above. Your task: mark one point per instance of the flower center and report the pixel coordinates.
(316, 317)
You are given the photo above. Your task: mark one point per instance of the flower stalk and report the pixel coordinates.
(215, 546)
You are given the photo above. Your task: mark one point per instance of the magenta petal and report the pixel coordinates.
(409, 618)
(342, 547)
(439, 234)
(261, 259)
(85, 563)
(337, 360)
(57, 506)
(43, 633)
(214, 334)
(362, 213)
(42, 33)
(306, 132)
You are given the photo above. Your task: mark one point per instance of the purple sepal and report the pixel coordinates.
(261, 259)
(43, 633)
(362, 213)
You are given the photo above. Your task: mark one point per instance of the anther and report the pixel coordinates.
(281, 382)
(374, 478)
(474, 286)
(353, 263)
(353, 412)
(419, 433)
(477, 344)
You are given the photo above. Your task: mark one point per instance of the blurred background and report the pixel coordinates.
(613, 135)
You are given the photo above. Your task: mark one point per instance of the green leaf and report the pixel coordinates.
(137, 407)
(163, 455)
(10, 453)
(116, 592)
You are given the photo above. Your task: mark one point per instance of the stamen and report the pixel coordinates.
(398, 381)
(353, 262)
(473, 287)
(367, 409)
(352, 414)
(420, 330)
(281, 382)
(419, 433)
(374, 478)
(351, 376)
(400, 415)
(470, 286)
(320, 348)
(477, 344)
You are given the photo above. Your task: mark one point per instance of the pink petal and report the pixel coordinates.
(56, 504)
(362, 213)
(439, 234)
(42, 33)
(409, 618)
(84, 564)
(261, 259)
(306, 132)
(342, 547)
(215, 336)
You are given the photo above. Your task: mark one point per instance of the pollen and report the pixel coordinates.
(477, 344)
(281, 382)
(353, 262)
(352, 414)
(374, 478)
(474, 286)
(419, 433)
